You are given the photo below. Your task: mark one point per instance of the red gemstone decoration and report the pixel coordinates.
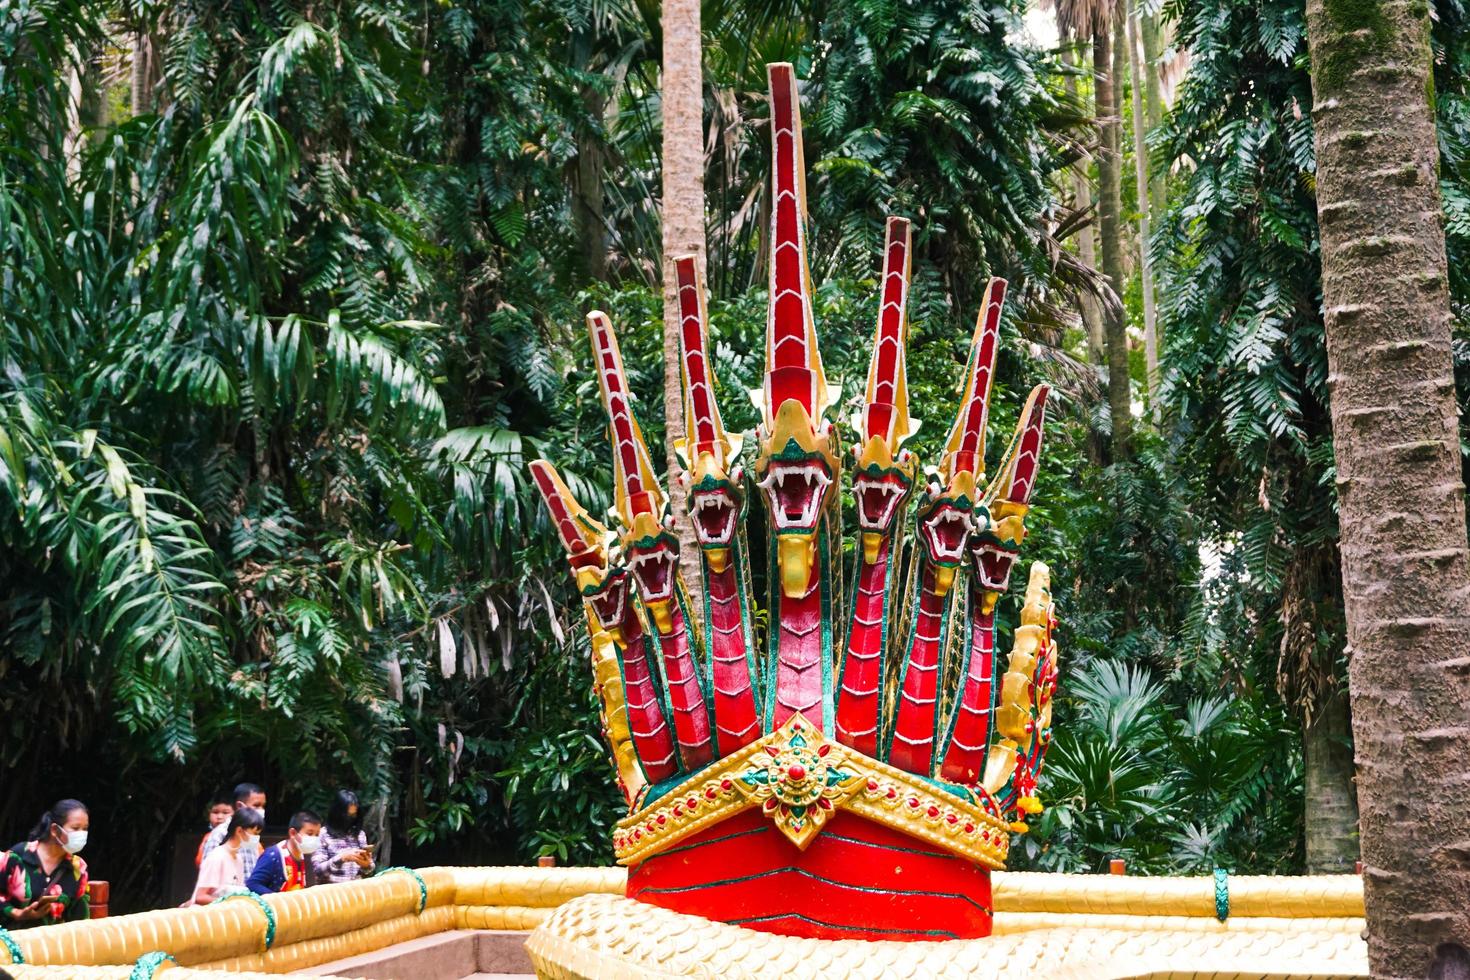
(913, 802)
(824, 803)
(797, 771)
(709, 793)
(726, 784)
(823, 750)
(872, 785)
(678, 810)
(661, 820)
(969, 828)
(892, 793)
(952, 818)
(933, 811)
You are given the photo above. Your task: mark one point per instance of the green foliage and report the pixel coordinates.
(930, 111)
(238, 527)
(1170, 786)
(279, 345)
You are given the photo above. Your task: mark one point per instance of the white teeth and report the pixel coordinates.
(716, 502)
(940, 549)
(813, 481)
(889, 496)
(659, 557)
(998, 582)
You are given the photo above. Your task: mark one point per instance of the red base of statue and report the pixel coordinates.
(857, 880)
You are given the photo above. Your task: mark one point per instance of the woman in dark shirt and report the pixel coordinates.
(44, 880)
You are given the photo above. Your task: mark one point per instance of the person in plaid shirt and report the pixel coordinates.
(344, 854)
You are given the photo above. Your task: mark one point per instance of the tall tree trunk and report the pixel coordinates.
(683, 226)
(1141, 183)
(1331, 807)
(587, 189)
(1406, 570)
(141, 71)
(1153, 95)
(1086, 249)
(1110, 233)
(1307, 678)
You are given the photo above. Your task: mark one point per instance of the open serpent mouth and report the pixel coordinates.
(795, 492)
(653, 564)
(714, 514)
(609, 601)
(946, 529)
(878, 499)
(993, 563)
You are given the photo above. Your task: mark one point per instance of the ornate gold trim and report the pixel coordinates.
(800, 778)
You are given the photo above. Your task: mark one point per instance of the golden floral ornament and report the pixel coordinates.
(972, 828)
(798, 786)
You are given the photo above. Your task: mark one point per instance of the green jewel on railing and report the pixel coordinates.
(1222, 894)
(148, 964)
(423, 888)
(10, 944)
(270, 913)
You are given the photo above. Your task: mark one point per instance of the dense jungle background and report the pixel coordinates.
(292, 291)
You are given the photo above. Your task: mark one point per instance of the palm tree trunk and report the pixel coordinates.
(1331, 808)
(1110, 233)
(1153, 99)
(138, 87)
(683, 225)
(1086, 248)
(1140, 167)
(1406, 569)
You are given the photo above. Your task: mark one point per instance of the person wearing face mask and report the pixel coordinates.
(246, 794)
(286, 866)
(225, 866)
(44, 879)
(344, 854)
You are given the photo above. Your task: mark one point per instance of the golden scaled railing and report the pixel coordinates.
(281, 933)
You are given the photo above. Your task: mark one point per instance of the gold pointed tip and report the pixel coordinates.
(796, 554)
(872, 542)
(943, 580)
(718, 558)
(663, 618)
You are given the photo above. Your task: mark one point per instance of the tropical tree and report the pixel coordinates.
(1385, 293)
(931, 112)
(1247, 385)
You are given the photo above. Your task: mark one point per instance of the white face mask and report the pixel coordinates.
(75, 841)
(250, 845)
(309, 843)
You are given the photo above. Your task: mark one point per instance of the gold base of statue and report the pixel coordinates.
(607, 937)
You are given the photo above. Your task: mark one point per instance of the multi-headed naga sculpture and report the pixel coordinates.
(860, 771)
